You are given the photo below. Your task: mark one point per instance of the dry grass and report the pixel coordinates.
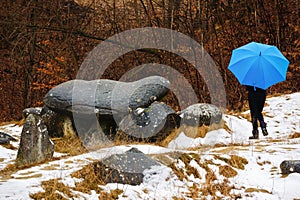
(55, 189)
(250, 190)
(211, 186)
(8, 171)
(266, 162)
(70, 145)
(30, 176)
(90, 179)
(51, 167)
(247, 116)
(9, 146)
(179, 172)
(13, 168)
(227, 171)
(17, 123)
(174, 134)
(295, 135)
(211, 189)
(234, 161)
(125, 140)
(193, 132)
(183, 173)
(210, 176)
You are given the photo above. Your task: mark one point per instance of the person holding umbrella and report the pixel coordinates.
(258, 66)
(256, 100)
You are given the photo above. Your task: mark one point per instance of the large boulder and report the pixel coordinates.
(200, 114)
(153, 123)
(35, 144)
(104, 102)
(105, 97)
(126, 168)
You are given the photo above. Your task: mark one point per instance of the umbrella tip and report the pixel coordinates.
(260, 53)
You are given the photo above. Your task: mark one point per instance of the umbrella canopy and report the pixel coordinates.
(258, 65)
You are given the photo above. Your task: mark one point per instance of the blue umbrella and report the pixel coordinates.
(258, 65)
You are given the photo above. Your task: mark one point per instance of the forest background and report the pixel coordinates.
(43, 43)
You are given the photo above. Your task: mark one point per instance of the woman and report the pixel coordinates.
(256, 99)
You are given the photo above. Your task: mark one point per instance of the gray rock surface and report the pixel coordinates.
(35, 145)
(201, 114)
(6, 138)
(126, 168)
(105, 97)
(290, 166)
(95, 135)
(149, 124)
(35, 111)
(59, 124)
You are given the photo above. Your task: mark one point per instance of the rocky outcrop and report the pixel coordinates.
(126, 168)
(107, 100)
(105, 97)
(35, 144)
(153, 123)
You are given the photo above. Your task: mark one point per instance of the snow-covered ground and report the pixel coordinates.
(260, 179)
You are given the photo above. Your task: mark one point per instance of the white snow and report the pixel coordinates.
(262, 173)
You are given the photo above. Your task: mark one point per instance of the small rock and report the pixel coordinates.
(290, 166)
(6, 138)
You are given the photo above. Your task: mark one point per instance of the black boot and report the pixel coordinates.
(255, 135)
(263, 126)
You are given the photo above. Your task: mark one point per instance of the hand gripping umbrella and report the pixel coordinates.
(258, 65)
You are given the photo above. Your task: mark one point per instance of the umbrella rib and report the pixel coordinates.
(251, 57)
(241, 79)
(280, 74)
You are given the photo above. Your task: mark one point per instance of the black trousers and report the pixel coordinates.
(256, 100)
